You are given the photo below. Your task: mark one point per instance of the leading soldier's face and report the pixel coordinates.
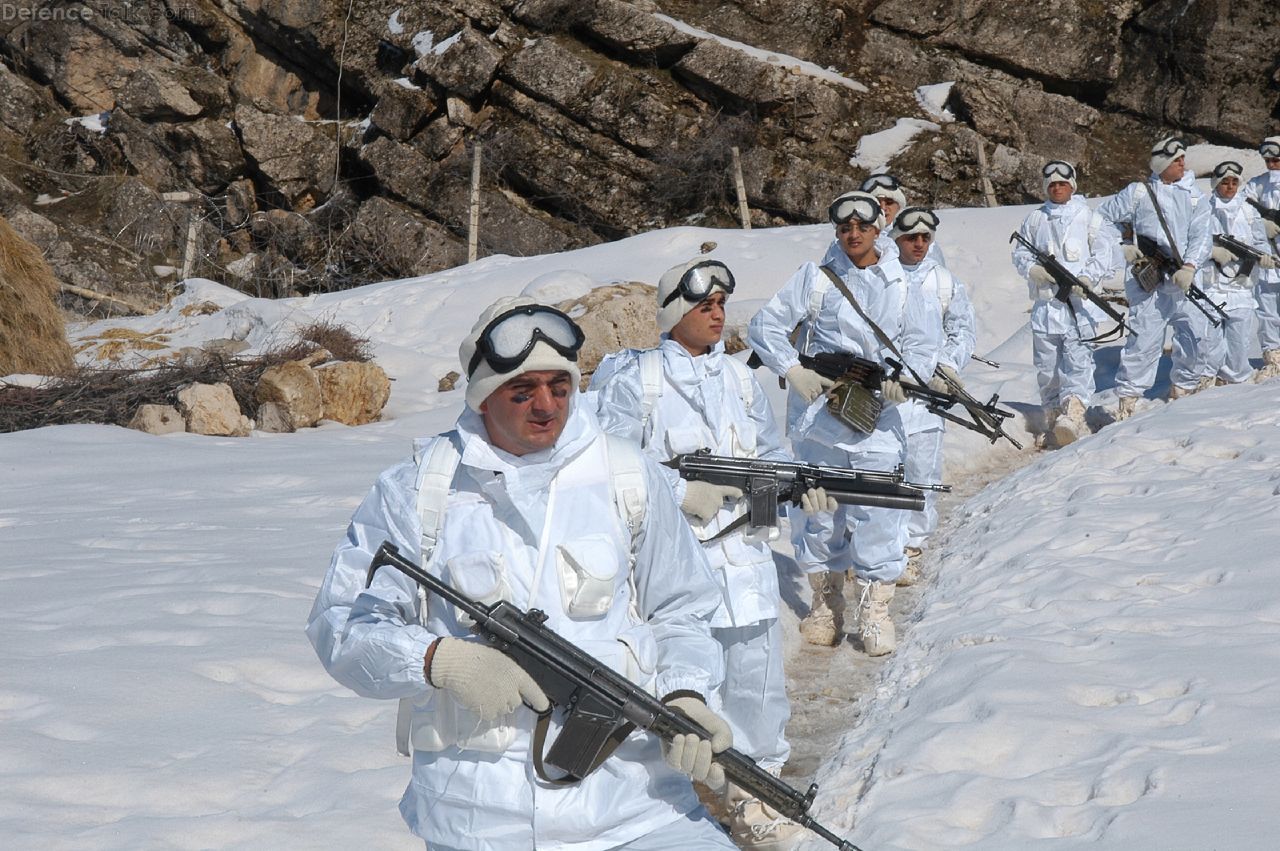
(527, 413)
(1059, 191)
(1227, 188)
(858, 240)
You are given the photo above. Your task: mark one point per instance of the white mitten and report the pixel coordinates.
(1273, 229)
(1132, 254)
(1040, 276)
(945, 379)
(1222, 256)
(690, 754)
(892, 392)
(704, 500)
(1267, 262)
(1184, 277)
(808, 383)
(482, 679)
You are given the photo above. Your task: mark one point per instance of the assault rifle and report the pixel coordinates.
(1066, 282)
(1267, 213)
(986, 419)
(600, 707)
(1245, 253)
(1168, 265)
(766, 483)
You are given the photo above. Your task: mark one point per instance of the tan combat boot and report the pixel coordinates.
(911, 573)
(1126, 407)
(753, 825)
(824, 625)
(874, 626)
(1206, 382)
(1070, 426)
(1270, 365)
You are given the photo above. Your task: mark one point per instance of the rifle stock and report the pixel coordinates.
(596, 700)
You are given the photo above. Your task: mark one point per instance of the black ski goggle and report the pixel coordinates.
(880, 181)
(1270, 149)
(700, 279)
(1227, 168)
(1058, 170)
(1170, 148)
(510, 337)
(861, 207)
(911, 219)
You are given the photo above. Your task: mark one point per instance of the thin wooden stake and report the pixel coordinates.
(473, 228)
(743, 212)
(987, 189)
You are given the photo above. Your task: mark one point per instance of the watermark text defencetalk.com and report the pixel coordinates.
(10, 12)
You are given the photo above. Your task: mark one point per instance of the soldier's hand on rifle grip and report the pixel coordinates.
(1040, 276)
(1267, 262)
(892, 392)
(484, 680)
(1132, 254)
(945, 378)
(1273, 229)
(1084, 286)
(815, 502)
(704, 500)
(808, 383)
(1185, 277)
(1222, 256)
(691, 755)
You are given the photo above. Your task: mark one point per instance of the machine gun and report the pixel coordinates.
(766, 483)
(599, 705)
(985, 419)
(1066, 282)
(1245, 253)
(1167, 265)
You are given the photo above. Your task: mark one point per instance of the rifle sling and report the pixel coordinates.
(1173, 246)
(880, 334)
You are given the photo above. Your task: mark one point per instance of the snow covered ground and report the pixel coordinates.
(1095, 663)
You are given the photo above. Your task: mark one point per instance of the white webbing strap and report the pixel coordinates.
(437, 460)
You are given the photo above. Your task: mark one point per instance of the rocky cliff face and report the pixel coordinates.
(315, 144)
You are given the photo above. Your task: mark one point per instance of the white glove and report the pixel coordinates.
(808, 383)
(948, 378)
(1040, 276)
(1132, 254)
(482, 679)
(691, 755)
(815, 501)
(1184, 277)
(1273, 229)
(703, 500)
(1267, 262)
(1222, 256)
(1082, 286)
(892, 392)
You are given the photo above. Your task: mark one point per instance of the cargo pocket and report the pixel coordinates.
(588, 569)
(481, 575)
(1072, 250)
(683, 440)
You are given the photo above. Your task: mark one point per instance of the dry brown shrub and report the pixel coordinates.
(338, 339)
(32, 336)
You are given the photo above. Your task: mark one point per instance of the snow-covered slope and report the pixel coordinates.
(1097, 653)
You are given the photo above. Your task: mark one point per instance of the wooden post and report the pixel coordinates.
(987, 190)
(189, 252)
(473, 227)
(743, 212)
